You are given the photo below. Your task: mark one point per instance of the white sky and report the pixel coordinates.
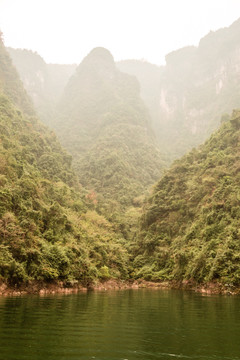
(64, 31)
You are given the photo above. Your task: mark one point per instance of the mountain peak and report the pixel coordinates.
(99, 55)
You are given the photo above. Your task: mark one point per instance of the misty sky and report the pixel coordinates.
(64, 31)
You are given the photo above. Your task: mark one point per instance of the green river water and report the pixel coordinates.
(119, 325)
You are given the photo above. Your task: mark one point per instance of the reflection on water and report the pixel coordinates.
(129, 324)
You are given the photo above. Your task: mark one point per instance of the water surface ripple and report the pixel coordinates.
(120, 325)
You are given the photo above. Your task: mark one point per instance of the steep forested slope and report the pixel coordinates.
(10, 83)
(48, 227)
(105, 125)
(190, 224)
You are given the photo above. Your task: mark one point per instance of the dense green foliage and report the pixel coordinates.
(49, 229)
(53, 229)
(190, 224)
(105, 125)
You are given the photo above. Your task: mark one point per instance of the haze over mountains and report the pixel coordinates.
(43, 82)
(187, 97)
(192, 92)
(123, 125)
(105, 125)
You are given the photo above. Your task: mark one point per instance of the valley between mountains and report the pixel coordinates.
(121, 172)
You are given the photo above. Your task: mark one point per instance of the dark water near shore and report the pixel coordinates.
(117, 325)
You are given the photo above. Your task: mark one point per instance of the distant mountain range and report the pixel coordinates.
(198, 86)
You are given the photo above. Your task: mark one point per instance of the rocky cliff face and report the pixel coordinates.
(188, 97)
(197, 87)
(43, 82)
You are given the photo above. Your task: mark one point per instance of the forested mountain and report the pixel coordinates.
(190, 224)
(51, 228)
(43, 82)
(48, 227)
(106, 127)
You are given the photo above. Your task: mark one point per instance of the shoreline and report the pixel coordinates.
(41, 289)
